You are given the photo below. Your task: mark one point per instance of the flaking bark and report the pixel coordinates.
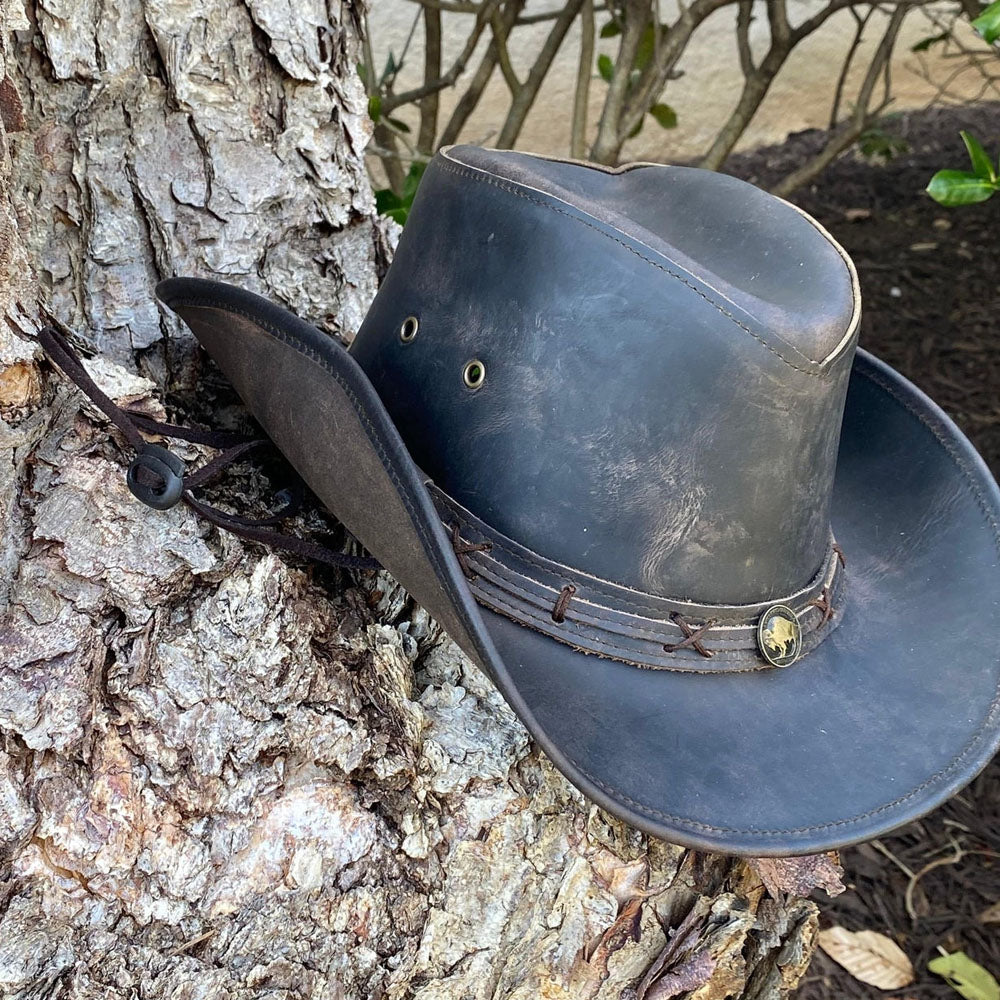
(221, 775)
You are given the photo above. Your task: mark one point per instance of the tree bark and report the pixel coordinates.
(223, 775)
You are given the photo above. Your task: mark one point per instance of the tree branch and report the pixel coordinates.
(607, 144)
(581, 96)
(614, 133)
(451, 6)
(744, 16)
(470, 99)
(550, 15)
(525, 97)
(392, 101)
(777, 17)
(500, 34)
(784, 38)
(432, 71)
(862, 117)
(838, 93)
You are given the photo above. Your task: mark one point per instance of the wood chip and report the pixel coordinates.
(800, 876)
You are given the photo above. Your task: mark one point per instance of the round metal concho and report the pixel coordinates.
(779, 635)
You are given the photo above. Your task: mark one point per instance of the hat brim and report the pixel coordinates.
(896, 710)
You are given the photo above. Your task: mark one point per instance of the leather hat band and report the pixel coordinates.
(616, 622)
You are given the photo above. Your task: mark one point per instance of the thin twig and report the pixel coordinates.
(500, 35)
(392, 101)
(860, 23)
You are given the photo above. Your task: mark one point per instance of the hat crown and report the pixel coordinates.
(664, 355)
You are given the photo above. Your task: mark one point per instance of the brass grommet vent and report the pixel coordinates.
(474, 374)
(408, 331)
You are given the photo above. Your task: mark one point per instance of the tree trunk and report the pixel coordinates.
(222, 775)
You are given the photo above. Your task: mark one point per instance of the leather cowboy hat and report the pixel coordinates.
(610, 427)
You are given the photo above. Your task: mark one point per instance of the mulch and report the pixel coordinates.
(930, 282)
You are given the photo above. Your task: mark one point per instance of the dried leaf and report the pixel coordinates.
(966, 977)
(800, 876)
(870, 957)
(991, 915)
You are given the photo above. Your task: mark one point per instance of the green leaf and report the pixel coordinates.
(399, 126)
(398, 206)
(876, 141)
(386, 200)
(638, 128)
(665, 115)
(925, 43)
(375, 107)
(611, 29)
(391, 67)
(966, 977)
(988, 23)
(956, 187)
(605, 67)
(981, 165)
(412, 182)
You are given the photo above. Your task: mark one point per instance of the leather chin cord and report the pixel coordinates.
(159, 479)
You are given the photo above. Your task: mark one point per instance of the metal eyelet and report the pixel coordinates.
(408, 331)
(474, 374)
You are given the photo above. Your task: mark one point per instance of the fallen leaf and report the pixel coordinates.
(20, 385)
(857, 214)
(991, 915)
(966, 977)
(800, 876)
(870, 957)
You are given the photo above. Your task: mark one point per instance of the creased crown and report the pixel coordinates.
(665, 356)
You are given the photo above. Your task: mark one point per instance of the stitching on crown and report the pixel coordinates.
(490, 179)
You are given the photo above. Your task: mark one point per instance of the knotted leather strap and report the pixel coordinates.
(620, 623)
(160, 480)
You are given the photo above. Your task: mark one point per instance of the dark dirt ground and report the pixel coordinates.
(930, 283)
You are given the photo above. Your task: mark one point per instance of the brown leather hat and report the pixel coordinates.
(610, 427)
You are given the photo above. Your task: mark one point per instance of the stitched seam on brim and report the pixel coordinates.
(951, 766)
(640, 807)
(306, 352)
